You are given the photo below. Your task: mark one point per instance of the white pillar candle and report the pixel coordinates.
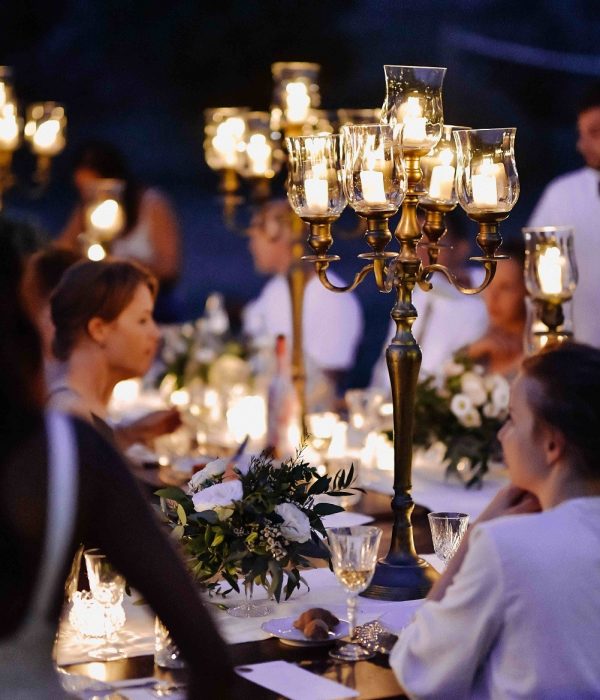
(227, 139)
(484, 190)
(259, 154)
(372, 187)
(442, 182)
(550, 271)
(46, 138)
(317, 195)
(414, 134)
(9, 128)
(107, 217)
(297, 103)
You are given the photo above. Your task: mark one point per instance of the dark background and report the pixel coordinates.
(140, 73)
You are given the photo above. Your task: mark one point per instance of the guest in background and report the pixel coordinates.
(332, 323)
(500, 349)
(448, 320)
(105, 332)
(516, 613)
(151, 232)
(61, 484)
(574, 200)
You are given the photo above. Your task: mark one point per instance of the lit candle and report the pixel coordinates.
(107, 217)
(317, 195)
(550, 271)
(248, 416)
(259, 153)
(227, 140)
(414, 134)
(485, 193)
(442, 177)
(46, 137)
(297, 103)
(9, 127)
(372, 186)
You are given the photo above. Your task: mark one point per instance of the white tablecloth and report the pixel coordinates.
(431, 490)
(138, 634)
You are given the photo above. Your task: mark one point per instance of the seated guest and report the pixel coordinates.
(104, 332)
(151, 232)
(516, 614)
(332, 323)
(500, 348)
(448, 320)
(61, 484)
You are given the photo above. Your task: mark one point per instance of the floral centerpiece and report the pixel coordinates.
(463, 409)
(255, 520)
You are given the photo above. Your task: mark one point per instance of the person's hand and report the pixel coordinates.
(148, 427)
(510, 500)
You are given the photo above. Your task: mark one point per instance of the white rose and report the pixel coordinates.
(210, 471)
(461, 405)
(472, 385)
(219, 495)
(471, 419)
(452, 369)
(501, 395)
(296, 525)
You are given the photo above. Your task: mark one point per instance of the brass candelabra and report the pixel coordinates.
(376, 180)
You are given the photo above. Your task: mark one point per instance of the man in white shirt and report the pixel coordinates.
(332, 323)
(574, 200)
(448, 320)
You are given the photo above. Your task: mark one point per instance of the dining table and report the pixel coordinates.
(252, 650)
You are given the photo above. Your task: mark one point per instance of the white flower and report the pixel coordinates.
(461, 405)
(219, 495)
(471, 419)
(243, 463)
(452, 369)
(472, 385)
(490, 410)
(501, 394)
(296, 525)
(210, 471)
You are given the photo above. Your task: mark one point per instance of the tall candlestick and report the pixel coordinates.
(550, 271)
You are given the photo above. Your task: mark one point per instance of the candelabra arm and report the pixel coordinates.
(321, 268)
(428, 270)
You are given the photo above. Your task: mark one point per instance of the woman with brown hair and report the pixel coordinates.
(104, 332)
(516, 613)
(61, 484)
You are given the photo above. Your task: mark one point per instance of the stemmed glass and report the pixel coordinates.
(354, 555)
(107, 587)
(447, 531)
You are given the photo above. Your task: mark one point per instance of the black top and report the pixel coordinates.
(113, 515)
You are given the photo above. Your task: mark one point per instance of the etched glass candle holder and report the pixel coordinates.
(295, 96)
(439, 171)
(487, 181)
(315, 177)
(374, 178)
(413, 106)
(45, 128)
(104, 216)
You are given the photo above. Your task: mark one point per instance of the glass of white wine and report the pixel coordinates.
(353, 555)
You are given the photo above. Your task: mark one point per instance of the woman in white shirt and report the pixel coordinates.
(516, 614)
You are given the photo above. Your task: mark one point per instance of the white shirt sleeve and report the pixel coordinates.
(438, 655)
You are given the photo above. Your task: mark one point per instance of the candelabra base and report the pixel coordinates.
(409, 581)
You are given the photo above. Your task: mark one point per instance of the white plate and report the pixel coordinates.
(283, 628)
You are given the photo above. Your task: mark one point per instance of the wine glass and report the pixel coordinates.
(354, 555)
(447, 530)
(107, 587)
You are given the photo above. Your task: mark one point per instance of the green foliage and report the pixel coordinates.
(245, 539)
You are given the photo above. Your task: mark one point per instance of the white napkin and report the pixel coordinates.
(346, 519)
(294, 682)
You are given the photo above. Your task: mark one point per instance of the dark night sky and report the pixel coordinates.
(140, 73)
